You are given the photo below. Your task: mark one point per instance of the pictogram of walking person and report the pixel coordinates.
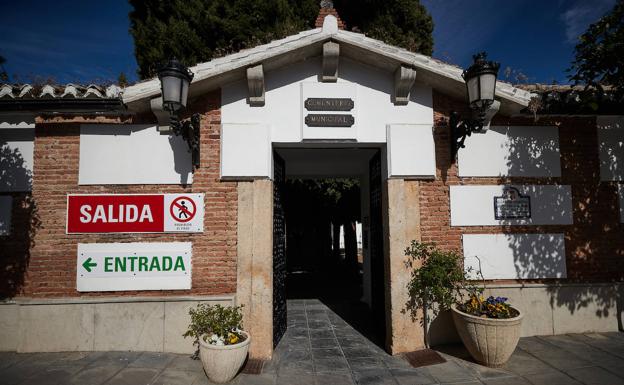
(183, 211)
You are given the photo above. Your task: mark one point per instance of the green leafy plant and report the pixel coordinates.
(438, 280)
(216, 324)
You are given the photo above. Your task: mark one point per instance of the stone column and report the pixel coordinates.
(402, 225)
(255, 264)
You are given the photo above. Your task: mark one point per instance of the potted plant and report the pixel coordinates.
(489, 329)
(221, 344)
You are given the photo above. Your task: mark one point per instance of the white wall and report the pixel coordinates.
(411, 150)
(511, 151)
(132, 154)
(516, 256)
(611, 147)
(474, 205)
(371, 89)
(6, 210)
(246, 151)
(16, 158)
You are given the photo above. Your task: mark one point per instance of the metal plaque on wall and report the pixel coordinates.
(512, 205)
(329, 104)
(329, 120)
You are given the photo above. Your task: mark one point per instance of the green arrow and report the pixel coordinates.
(88, 264)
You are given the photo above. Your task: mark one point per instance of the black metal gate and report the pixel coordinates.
(279, 251)
(376, 243)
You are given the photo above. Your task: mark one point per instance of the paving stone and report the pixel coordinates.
(560, 359)
(176, 377)
(185, 362)
(254, 379)
(296, 333)
(26, 368)
(394, 362)
(295, 379)
(52, 376)
(116, 358)
(556, 378)
(327, 353)
(595, 376)
(334, 379)
(331, 365)
(412, 376)
(506, 381)
(152, 360)
(483, 372)
(79, 358)
(95, 375)
(296, 361)
(365, 363)
(374, 377)
(319, 325)
(450, 372)
(9, 358)
(523, 363)
(320, 334)
(133, 376)
(359, 351)
(324, 343)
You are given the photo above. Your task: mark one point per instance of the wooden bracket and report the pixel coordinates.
(404, 78)
(331, 52)
(255, 85)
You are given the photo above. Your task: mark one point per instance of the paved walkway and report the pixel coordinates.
(321, 348)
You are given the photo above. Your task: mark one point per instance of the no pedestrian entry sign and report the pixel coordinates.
(135, 213)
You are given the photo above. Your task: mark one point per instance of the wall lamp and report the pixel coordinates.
(174, 80)
(480, 80)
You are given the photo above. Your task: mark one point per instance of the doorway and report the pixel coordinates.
(328, 236)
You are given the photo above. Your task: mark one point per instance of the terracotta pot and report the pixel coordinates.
(490, 341)
(222, 363)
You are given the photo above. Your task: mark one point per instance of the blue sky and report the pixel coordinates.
(88, 41)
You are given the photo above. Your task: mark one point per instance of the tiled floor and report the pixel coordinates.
(321, 348)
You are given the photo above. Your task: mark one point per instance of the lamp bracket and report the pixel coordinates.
(190, 132)
(461, 128)
(162, 115)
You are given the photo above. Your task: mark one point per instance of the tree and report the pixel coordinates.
(4, 76)
(404, 23)
(599, 55)
(198, 30)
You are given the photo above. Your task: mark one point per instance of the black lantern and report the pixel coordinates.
(480, 80)
(175, 79)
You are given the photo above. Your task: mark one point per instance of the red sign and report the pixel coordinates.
(128, 213)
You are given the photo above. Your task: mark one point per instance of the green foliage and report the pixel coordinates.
(599, 58)
(438, 279)
(223, 321)
(198, 30)
(4, 77)
(404, 23)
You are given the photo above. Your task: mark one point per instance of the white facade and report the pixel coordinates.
(16, 156)
(377, 118)
(6, 205)
(132, 154)
(611, 147)
(527, 151)
(474, 205)
(515, 256)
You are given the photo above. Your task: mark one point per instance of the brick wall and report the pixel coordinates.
(52, 264)
(594, 243)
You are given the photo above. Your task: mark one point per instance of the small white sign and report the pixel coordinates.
(133, 266)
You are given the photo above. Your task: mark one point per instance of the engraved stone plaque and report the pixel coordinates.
(512, 205)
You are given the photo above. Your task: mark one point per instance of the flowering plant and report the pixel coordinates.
(216, 325)
(490, 308)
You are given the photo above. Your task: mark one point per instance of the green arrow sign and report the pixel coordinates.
(88, 264)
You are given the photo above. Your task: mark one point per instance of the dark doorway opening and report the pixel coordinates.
(322, 235)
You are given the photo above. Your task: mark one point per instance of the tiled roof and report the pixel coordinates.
(68, 91)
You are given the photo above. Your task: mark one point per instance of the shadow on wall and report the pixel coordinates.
(15, 252)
